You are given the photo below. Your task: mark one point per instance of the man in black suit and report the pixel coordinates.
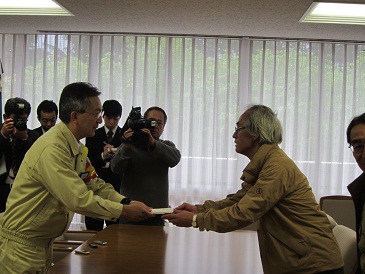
(101, 150)
(15, 140)
(47, 112)
(356, 139)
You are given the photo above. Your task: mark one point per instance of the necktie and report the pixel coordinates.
(14, 156)
(110, 135)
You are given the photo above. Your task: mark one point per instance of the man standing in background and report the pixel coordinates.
(145, 167)
(15, 140)
(356, 139)
(47, 113)
(101, 150)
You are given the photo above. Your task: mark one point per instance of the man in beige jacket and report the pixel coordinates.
(294, 235)
(56, 179)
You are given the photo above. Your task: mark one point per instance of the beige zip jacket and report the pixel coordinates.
(294, 235)
(55, 180)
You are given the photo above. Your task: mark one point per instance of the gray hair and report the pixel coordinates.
(263, 122)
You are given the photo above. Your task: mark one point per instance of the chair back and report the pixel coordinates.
(340, 208)
(346, 239)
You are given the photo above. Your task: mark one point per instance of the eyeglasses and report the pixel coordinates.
(238, 129)
(357, 148)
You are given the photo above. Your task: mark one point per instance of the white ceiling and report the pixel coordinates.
(259, 18)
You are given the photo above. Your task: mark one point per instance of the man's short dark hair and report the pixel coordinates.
(76, 97)
(17, 106)
(112, 108)
(47, 106)
(156, 108)
(355, 121)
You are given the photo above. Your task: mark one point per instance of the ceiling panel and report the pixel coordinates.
(269, 18)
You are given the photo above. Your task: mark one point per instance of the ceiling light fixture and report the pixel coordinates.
(335, 13)
(32, 7)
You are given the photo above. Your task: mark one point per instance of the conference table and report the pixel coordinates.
(165, 250)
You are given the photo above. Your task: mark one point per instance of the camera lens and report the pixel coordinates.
(20, 125)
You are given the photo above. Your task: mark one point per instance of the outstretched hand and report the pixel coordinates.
(136, 211)
(188, 207)
(181, 218)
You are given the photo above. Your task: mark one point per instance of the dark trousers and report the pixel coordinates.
(154, 221)
(4, 193)
(97, 224)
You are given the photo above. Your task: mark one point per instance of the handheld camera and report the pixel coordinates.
(136, 122)
(19, 123)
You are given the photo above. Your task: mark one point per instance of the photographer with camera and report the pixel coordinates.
(143, 160)
(15, 140)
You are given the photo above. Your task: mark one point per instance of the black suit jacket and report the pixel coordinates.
(22, 147)
(357, 191)
(6, 153)
(39, 130)
(95, 146)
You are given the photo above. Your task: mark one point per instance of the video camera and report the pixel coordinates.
(136, 122)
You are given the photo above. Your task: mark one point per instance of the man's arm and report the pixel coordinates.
(28, 142)
(55, 169)
(120, 160)
(167, 151)
(3, 142)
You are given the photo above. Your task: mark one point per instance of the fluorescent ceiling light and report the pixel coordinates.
(335, 13)
(32, 7)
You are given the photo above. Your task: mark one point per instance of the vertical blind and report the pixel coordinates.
(204, 84)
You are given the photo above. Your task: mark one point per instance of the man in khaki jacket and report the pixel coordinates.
(294, 235)
(56, 179)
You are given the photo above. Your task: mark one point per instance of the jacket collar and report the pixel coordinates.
(258, 160)
(357, 186)
(75, 146)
